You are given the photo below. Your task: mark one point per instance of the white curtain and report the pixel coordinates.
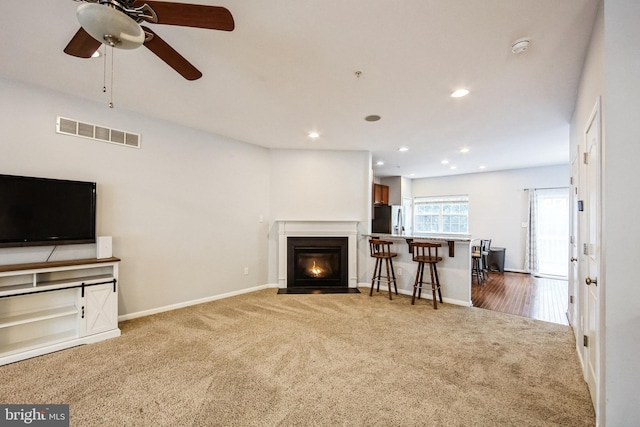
(548, 238)
(530, 256)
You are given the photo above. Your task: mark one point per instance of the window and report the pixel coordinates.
(444, 214)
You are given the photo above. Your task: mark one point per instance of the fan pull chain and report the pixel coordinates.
(104, 72)
(111, 92)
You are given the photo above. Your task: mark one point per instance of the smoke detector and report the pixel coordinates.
(520, 45)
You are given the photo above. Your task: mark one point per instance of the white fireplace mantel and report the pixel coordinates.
(328, 228)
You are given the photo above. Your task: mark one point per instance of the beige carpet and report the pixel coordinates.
(263, 359)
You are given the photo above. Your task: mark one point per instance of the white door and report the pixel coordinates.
(591, 254)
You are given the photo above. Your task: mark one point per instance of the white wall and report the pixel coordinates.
(317, 185)
(189, 210)
(498, 203)
(620, 226)
(321, 185)
(183, 210)
(611, 72)
(590, 90)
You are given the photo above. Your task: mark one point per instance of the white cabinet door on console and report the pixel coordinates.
(100, 305)
(50, 306)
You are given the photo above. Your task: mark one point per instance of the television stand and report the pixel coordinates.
(51, 306)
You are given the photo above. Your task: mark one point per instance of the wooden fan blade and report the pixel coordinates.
(82, 45)
(191, 15)
(171, 56)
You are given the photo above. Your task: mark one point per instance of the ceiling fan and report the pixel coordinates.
(116, 23)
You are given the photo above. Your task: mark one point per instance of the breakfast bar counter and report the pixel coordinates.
(454, 270)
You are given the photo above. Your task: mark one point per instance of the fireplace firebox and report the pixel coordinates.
(317, 262)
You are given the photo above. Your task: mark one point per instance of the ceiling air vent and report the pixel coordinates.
(97, 132)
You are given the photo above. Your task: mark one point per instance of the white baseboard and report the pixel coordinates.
(515, 270)
(253, 289)
(367, 286)
(192, 302)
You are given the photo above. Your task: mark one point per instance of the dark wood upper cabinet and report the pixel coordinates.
(380, 194)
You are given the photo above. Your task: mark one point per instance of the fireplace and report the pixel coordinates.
(317, 262)
(318, 229)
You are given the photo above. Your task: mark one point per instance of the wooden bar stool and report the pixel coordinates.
(476, 262)
(381, 251)
(426, 253)
(485, 247)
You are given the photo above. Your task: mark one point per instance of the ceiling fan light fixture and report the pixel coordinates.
(110, 26)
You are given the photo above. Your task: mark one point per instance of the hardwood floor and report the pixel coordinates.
(523, 295)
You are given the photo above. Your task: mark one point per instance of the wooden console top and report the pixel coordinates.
(50, 264)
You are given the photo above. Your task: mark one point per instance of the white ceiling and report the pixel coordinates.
(289, 67)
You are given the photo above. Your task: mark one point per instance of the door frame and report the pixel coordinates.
(573, 310)
(594, 330)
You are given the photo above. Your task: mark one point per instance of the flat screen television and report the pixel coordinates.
(43, 211)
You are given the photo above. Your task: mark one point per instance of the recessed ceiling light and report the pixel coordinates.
(445, 162)
(464, 150)
(482, 167)
(460, 93)
(372, 118)
(379, 163)
(453, 167)
(412, 174)
(401, 149)
(313, 134)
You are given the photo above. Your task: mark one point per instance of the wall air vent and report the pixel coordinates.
(96, 132)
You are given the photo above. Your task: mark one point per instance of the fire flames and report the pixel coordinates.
(315, 270)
